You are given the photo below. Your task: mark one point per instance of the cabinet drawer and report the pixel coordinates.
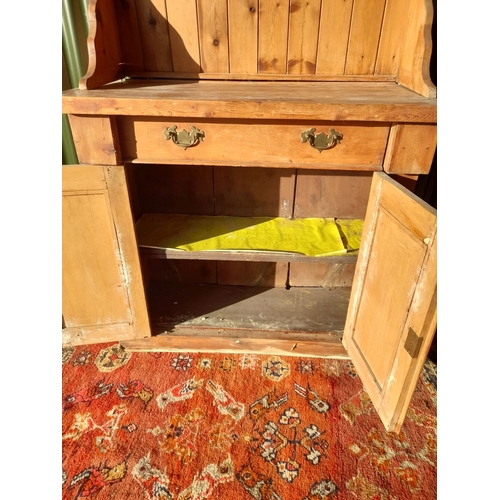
(254, 143)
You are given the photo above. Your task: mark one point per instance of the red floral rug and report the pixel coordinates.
(199, 426)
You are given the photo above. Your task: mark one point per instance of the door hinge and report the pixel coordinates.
(413, 343)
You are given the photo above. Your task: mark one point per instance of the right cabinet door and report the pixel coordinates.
(392, 312)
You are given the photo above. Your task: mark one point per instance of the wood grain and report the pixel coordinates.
(272, 144)
(110, 298)
(175, 189)
(333, 37)
(243, 25)
(303, 36)
(397, 242)
(252, 39)
(129, 253)
(414, 68)
(214, 36)
(273, 37)
(103, 45)
(372, 101)
(324, 274)
(260, 274)
(93, 289)
(411, 149)
(127, 18)
(323, 194)
(96, 139)
(392, 35)
(258, 192)
(183, 271)
(364, 36)
(302, 348)
(299, 310)
(184, 36)
(242, 256)
(155, 37)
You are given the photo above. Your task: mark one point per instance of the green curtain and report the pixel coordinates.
(74, 62)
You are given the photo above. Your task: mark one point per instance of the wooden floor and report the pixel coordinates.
(241, 319)
(298, 309)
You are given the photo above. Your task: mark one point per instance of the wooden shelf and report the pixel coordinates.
(228, 309)
(241, 319)
(242, 256)
(360, 101)
(168, 236)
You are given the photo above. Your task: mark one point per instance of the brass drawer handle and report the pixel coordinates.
(321, 141)
(184, 139)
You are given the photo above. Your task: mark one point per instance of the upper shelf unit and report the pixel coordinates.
(312, 40)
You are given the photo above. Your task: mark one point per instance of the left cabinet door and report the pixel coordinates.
(103, 297)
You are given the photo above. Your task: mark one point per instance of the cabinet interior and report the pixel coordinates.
(224, 291)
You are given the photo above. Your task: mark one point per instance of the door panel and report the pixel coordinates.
(102, 294)
(97, 297)
(393, 297)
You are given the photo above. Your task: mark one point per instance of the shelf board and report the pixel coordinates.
(305, 322)
(322, 347)
(213, 308)
(242, 256)
(193, 237)
(256, 100)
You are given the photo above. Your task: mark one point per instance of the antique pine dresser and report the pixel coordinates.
(238, 183)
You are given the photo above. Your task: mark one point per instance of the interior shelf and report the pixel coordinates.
(226, 310)
(265, 239)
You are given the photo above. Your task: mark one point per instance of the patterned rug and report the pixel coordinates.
(200, 426)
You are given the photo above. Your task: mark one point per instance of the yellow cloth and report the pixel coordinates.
(351, 229)
(308, 236)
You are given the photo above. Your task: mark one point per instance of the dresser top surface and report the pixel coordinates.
(373, 101)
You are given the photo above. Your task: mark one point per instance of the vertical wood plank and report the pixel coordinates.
(214, 36)
(103, 45)
(96, 139)
(130, 38)
(175, 189)
(155, 38)
(410, 149)
(266, 274)
(134, 195)
(394, 28)
(414, 67)
(129, 253)
(184, 40)
(303, 36)
(182, 271)
(243, 23)
(364, 36)
(333, 37)
(259, 192)
(324, 194)
(90, 270)
(273, 36)
(322, 274)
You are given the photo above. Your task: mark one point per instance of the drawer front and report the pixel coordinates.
(251, 143)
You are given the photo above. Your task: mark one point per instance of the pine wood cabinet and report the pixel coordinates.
(202, 121)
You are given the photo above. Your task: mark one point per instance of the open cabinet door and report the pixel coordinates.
(102, 291)
(392, 317)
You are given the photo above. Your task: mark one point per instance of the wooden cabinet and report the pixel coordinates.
(103, 294)
(234, 196)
